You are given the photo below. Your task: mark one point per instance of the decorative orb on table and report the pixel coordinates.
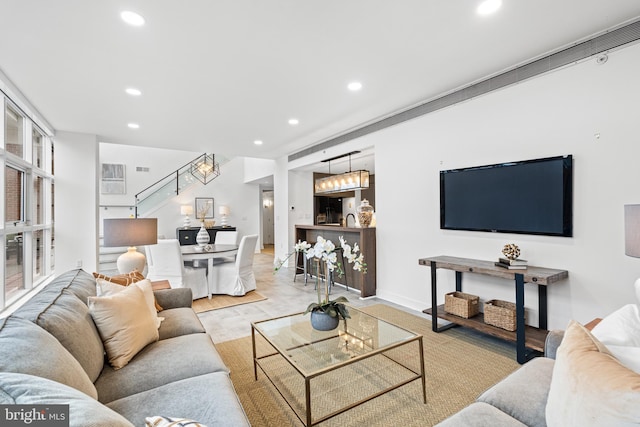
(511, 251)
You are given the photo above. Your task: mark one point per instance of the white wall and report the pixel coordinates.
(76, 201)
(558, 113)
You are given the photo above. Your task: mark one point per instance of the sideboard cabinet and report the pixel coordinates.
(187, 235)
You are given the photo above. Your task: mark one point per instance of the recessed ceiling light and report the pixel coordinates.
(293, 122)
(133, 126)
(487, 7)
(354, 86)
(133, 91)
(257, 142)
(132, 18)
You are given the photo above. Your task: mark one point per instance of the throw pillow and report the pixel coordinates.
(620, 332)
(159, 421)
(125, 280)
(125, 324)
(121, 279)
(589, 387)
(107, 288)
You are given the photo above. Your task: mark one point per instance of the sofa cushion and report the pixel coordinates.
(84, 411)
(180, 321)
(28, 349)
(216, 404)
(125, 323)
(589, 386)
(480, 414)
(124, 280)
(159, 363)
(67, 318)
(523, 394)
(107, 288)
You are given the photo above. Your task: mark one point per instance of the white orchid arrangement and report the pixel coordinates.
(324, 253)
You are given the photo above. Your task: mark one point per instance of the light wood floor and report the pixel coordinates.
(284, 296)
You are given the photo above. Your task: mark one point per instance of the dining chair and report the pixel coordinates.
(226, 238)
(237, 278)
(164, 261)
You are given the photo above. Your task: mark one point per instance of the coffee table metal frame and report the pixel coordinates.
(255, 326)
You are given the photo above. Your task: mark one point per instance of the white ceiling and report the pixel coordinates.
(217, 75)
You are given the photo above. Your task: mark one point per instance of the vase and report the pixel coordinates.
(202, 238)
(365, 213)
(321, 321)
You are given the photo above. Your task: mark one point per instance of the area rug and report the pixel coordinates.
(459, 365)
(222, 301)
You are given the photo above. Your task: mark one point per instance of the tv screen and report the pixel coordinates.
(527, 197)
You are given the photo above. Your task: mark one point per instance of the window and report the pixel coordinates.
(14, 195)
(26, 154)
(38, 149)
(13, 132)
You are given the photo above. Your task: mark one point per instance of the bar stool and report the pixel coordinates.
(304, 269)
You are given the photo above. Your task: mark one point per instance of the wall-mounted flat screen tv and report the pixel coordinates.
(526, 197)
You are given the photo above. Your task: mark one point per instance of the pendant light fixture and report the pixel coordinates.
(348, 181)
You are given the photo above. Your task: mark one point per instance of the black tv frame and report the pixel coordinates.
(567, 190)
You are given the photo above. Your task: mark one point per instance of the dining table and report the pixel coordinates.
(209, 253)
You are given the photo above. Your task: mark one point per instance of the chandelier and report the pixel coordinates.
(205, 168)
(352, 180)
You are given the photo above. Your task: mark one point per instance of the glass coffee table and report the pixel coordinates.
(363, 358)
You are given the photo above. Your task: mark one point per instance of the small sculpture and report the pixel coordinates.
(511, 251)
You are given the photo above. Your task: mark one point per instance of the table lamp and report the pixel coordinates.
(224, 211)
(130, 232)
(186, 210)
(632, 236)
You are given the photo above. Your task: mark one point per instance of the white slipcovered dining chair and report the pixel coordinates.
(237, 278)
(164, 262)
(226, 238)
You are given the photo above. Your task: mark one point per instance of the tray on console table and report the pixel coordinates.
(524, 336)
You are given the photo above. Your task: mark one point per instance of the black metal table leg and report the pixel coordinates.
(434, 298)
(542, 307)
(458, 281)
(520, 334)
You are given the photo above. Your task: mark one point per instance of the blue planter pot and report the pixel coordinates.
(323, 322)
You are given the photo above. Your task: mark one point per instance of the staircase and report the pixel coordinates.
(202, 169)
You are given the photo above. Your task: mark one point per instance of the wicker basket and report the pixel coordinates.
(501, 314)
(461, 304)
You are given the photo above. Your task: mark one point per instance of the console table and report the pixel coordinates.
(526, 337)
(187, 235)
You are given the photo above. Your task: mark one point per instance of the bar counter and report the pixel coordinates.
(366, 240)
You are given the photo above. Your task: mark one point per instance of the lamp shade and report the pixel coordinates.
(186, 210)
(224, 210)
(130, 231)
(632, 230)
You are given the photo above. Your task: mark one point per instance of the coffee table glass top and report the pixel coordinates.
(311, 351)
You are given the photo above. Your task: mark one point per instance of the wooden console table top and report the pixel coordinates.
(537, 275)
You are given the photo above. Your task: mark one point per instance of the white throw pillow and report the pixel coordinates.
(620, 332)
(104, 287)
(125, 324)
(159, 421)
(589, 387)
